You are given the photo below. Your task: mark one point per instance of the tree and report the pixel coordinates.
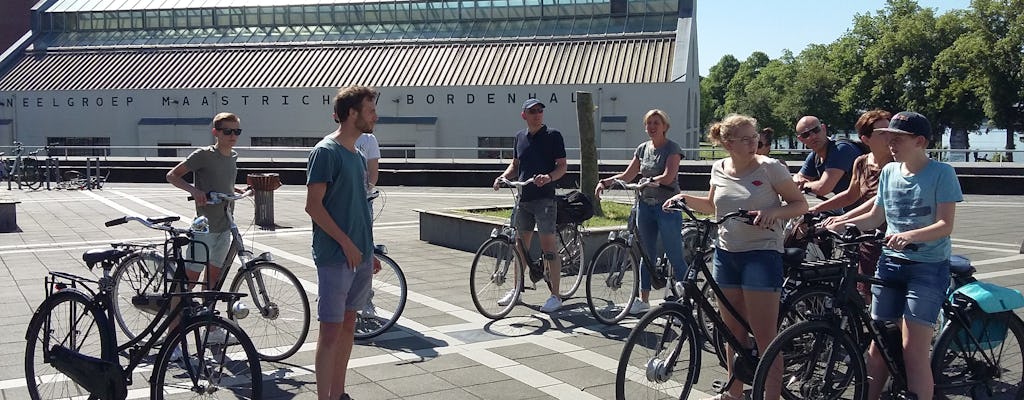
(955, 88)
(713, 89)
(997, 29)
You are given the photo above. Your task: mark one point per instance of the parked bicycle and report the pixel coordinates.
(977, 354)
(276, 315)
(72, 351)
(389, 291)
(502, 260)
(24, 169)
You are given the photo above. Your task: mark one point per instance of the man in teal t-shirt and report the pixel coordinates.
(342, 235)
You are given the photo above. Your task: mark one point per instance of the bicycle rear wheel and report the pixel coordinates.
(612, 282)
(275, 315)
(69, 320)
(661, 356)
(959, 363)
(818, 361)
(387, 300)
(215, 359)
(138, 289)
(570, 251)
(495, 276)
(30, 173)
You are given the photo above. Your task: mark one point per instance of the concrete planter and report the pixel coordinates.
(453, 228)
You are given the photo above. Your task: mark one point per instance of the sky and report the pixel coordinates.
(741, 27)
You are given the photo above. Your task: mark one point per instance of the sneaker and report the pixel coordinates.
(176, 354)
(369, 311)
(507, 298)
(220, 336)
(639, 307)
(552, 305)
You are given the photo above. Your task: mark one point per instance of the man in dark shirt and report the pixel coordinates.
(828, 167)
(539, 154)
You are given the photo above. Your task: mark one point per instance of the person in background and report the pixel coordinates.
(367, 144)
(658, 160)
(748, 256)
(827, 168)
(863, 186)
(764, 141)
(916, 199)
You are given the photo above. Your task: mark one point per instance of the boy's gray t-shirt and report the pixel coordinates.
(214, 172)
(344, 173)
(652, 163)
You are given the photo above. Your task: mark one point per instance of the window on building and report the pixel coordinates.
(285, 141)
(171, 149)
(397, 150)
(91, 146)
(495, 146)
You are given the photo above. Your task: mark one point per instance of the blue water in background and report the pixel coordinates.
(992, 140)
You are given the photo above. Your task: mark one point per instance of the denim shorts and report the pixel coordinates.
(539, 212)
(341, 289)
(759, 270)
(926, 285)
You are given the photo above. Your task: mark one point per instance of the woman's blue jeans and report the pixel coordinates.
(654, 222)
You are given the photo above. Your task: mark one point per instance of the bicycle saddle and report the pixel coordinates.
(960, 266)
(94, 256)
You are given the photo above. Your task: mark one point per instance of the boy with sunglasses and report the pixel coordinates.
(214, 169)
(827, 168)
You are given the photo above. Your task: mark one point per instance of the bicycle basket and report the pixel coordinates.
(574, 207)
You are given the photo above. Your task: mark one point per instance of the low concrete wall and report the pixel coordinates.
(457, 230)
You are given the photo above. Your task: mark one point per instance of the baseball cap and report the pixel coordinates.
(910, 123)
(532, 102)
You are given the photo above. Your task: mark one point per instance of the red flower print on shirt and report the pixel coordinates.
(757, 183)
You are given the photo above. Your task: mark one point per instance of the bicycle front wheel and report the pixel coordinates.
(69, 320)
(138, 291)
(275, 315)
(570, 251)
(387, 300)
(815, 361)
(612, 282)
(661, 356)
(961, 367)
(209, 358)
(496, 278)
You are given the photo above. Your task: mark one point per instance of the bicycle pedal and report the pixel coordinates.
(718, 386)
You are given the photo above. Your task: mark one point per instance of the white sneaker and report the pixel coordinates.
(220, 336)
(369, 311)
(552, 305)
(639, 307)
(507, 298)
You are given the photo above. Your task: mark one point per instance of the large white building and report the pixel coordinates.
(451, 73)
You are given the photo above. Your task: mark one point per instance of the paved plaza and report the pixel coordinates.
(441, 348)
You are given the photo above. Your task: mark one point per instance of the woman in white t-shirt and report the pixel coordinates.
(748, 257)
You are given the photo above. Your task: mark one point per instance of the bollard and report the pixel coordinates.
(264, 185)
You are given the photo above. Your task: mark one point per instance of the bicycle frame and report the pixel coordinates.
(631, 237)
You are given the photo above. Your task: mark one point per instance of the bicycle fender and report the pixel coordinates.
(262, 258)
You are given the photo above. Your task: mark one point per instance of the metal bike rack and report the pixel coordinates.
(51, 170)
(92, 169)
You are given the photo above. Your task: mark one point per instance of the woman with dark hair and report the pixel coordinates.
(764, 141)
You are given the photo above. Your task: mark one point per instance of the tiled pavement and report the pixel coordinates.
(441, 348)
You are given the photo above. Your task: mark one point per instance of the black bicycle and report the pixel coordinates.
(977, 354)
(72, 350)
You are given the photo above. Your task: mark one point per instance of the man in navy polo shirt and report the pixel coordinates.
(539, 154)
(828, 167)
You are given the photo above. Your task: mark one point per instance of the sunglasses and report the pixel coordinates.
(806, 134)
(229, 131)
(535, 111)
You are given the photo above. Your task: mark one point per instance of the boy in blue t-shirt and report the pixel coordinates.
(342, 235)
(917, 200)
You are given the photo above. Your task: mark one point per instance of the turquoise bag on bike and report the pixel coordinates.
(990, 326)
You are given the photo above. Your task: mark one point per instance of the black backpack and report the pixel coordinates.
(864, 149)
(574, 207)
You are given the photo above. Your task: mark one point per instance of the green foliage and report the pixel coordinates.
(615, 214)
(959, 69)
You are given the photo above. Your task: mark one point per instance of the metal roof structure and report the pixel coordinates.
(641, 60)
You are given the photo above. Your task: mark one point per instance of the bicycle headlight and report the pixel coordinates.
(201, 224)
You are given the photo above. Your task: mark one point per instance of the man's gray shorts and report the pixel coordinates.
(218, 244)
(540, 212)
(342, 289)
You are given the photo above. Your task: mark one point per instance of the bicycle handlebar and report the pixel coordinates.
(158, 223)
(517, 184)
(853, 235)
(218, 197)
(680, 205)
(808, 192)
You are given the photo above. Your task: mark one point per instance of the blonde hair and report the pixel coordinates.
(728, 127)
(225, 116)
(658, 113)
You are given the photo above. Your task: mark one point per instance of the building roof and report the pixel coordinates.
(621, 60)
